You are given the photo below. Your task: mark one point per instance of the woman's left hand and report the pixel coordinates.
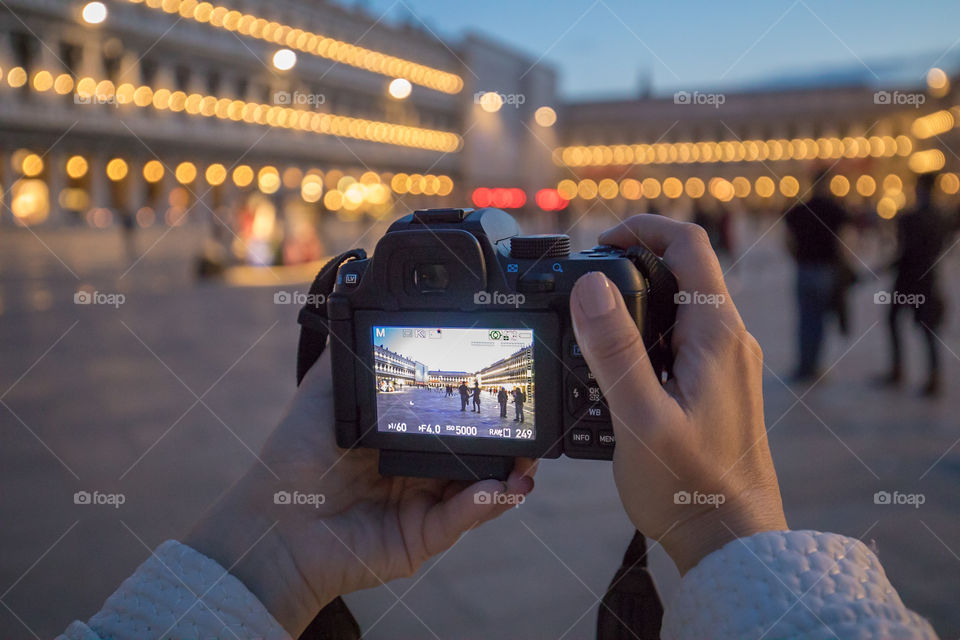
(345, 527)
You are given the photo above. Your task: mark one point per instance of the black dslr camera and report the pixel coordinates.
(452, 347)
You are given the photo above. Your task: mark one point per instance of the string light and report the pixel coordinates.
(308, 42)
(711, 151)
(89, 90)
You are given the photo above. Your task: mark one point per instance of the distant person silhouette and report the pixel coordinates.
(813, 239)
(502, 400)
(519, 397)
(464, 395)
(921, 235)
(476, 397)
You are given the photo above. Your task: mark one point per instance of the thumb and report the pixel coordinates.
(612, 345)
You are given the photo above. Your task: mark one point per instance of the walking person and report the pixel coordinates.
(476, 397)
(464, 395)
(502, 399)
(921, 233)
(519, 397)
(814, 241)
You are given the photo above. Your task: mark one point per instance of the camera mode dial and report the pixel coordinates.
(544, 245)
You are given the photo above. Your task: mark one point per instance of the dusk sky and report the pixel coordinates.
(452, 352)
(604, 48)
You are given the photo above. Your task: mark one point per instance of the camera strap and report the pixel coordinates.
(314, 328)
(335, 620)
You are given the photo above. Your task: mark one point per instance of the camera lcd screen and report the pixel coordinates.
(455, 381)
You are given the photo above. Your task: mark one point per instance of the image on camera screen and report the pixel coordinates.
(452, 381)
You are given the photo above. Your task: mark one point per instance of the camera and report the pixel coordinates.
(453, 351)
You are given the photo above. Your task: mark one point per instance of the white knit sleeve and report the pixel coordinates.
(179, 593)
(790, 584)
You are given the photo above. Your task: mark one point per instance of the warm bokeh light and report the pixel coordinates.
(186, 172)
(153, 171)
(545, 116)
(949, 183)
(567, 189)
(630, 189)
(491, 101)
(886, 208)
(892, 183)
(789, 186)
(839, 186)
(672, 188)
(933, 125)
(242, 175)
(399, 88)
(94, 12)
(117, 169)
(32, 165)
(938, 82)
(651, 188)
(608, 189)
(741, 187)
(926, 161)
(764, 186)
(284, 59)
(268, 180)
(866, 185)
(76, 167)
(215, 174)
(587, 189)
(311, 189)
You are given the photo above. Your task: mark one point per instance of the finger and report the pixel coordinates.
(684, 247)
(526, 466)
(611, 343)
(448, 520)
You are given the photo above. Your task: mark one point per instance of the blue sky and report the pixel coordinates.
(454, 351)
(604, 48)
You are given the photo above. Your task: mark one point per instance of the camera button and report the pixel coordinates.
(598, 412)
(575, 350)
(583, 437)
(576, 394)
(606, 438)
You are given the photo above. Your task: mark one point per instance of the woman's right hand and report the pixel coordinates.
(692, 463)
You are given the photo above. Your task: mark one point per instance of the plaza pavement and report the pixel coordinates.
(166, 397)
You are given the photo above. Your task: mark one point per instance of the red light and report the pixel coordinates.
(551, 200)
(502, 198)
(482, 197)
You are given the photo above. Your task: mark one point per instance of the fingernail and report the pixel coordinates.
(595, 295)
